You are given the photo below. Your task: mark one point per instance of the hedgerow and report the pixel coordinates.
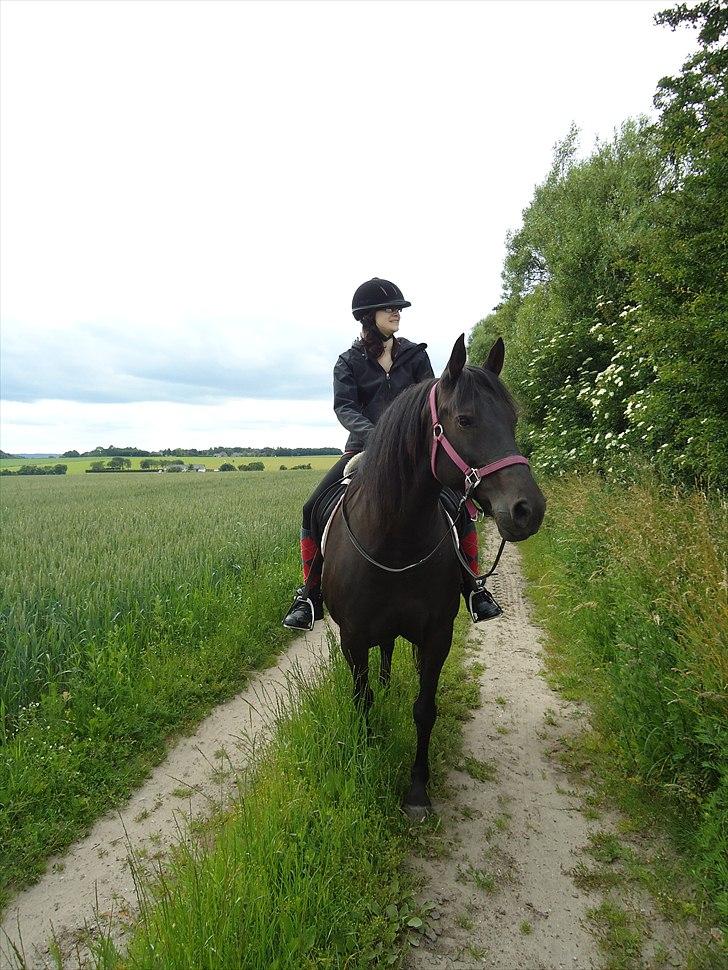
(615, 299)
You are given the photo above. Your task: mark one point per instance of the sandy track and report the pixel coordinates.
(503, 895)
(90, 888)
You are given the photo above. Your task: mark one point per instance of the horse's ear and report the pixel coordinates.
(456, 363)
(495, 357)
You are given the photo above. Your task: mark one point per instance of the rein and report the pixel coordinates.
(473, 477)
(389, 569)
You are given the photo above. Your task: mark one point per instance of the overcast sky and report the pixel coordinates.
(191, 192)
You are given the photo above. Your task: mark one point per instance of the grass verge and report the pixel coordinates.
(630, 585)
(306, 871)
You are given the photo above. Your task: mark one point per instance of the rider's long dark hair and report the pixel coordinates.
(372, 338)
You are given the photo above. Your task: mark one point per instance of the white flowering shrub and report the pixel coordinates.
(614, 361)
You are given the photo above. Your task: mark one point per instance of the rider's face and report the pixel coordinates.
(387, 321)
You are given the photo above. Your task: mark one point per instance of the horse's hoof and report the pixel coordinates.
(418, 813)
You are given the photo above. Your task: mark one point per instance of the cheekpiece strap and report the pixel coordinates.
(472, 475)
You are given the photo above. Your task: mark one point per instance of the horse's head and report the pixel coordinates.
(478, 418)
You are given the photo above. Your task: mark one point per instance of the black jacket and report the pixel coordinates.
(363, 389)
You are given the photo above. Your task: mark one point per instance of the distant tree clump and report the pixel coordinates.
(37, 470)
(253, 466)
(227, 467)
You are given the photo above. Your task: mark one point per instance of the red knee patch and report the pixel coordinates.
(469, 548)
(308, 554)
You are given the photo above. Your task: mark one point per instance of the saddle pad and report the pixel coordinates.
(330, 519)
(324, 508)
(331, 499)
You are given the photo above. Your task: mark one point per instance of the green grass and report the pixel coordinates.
(132, 607)
(479, 770)
(630, 585)
(619, 934)
(129, 608)
(307, 870)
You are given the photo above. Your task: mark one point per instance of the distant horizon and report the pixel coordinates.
(293, 449)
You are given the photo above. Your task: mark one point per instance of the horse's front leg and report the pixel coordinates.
(385, 663)
(356, 652)
(431, 657)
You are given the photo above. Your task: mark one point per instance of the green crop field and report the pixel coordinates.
(130, 605)
(78, 466)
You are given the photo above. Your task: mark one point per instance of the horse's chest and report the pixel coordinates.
(387, 605)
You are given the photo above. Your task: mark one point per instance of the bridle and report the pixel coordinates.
(473, 477)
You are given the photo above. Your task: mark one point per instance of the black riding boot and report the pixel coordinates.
(307, 607)
(480, 602)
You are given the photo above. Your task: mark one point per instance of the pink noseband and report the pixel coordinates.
(472, 475)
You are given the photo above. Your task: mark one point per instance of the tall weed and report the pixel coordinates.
(632, 586)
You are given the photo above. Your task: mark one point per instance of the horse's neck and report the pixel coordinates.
(417, 515)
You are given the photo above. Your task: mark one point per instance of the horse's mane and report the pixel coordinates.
(398, 449)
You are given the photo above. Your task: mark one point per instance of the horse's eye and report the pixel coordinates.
(464, 420)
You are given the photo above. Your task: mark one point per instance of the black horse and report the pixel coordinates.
(392, 519)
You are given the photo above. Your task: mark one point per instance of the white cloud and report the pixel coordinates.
(154, 425)
(207, 183)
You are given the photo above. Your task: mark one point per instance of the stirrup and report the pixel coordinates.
(486, 608)
(304, 610)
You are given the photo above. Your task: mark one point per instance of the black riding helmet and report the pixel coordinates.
(377, 294)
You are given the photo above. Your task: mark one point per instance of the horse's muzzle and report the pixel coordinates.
(520, 519)
(517, 504)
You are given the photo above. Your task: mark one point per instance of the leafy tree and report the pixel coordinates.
(565, 313)
(682, 285)
(227, 467)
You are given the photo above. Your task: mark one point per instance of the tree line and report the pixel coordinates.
(113, 451)
(615, 292)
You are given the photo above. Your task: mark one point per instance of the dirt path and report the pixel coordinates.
(513, 879)
(200, 774)
(503, 897)
(500, 873)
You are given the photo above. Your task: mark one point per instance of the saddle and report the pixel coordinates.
(329, 501)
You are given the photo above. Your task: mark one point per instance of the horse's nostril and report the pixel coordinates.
(521, 512)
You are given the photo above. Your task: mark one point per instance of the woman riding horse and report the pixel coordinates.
(367, 378)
